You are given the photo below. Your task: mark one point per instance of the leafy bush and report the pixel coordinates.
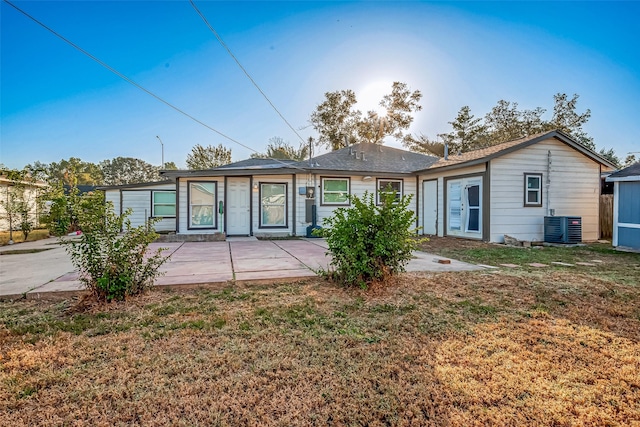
(113, 264)
(370, 243)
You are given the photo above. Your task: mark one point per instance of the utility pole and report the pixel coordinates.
(162, 145)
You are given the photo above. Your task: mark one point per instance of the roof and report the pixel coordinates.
(142, 184)
(631, 173)
(5, 180)
(370, 158)
(258, 163)
(358, 158)
(485, 154)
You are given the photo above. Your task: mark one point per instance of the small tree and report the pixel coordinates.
(370, 243)
(113, 266)
(19, 201)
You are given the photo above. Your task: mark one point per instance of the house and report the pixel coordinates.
(484, 194)
(626, 207)
(31, 191)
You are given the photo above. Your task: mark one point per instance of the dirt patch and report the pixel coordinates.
(436, 244)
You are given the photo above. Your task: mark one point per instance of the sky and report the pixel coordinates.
(56, 102)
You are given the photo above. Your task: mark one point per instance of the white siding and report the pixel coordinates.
(358, 186)
(138, 199)
(574, 189)
(113, 196)
(30, 196)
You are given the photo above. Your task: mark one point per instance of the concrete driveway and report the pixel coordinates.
(243, 260)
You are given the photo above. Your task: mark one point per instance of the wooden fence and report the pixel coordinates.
(606, 216)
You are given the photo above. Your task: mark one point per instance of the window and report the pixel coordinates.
(335, 191)
(273, 205)
(455, 206)
(533, 189)
(202, 204)
(395, 184)
(164, 204)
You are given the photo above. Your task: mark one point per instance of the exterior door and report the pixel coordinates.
(238, 209)
(430, 207)
(464, 207)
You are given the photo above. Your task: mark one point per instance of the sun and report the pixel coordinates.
(370, 95)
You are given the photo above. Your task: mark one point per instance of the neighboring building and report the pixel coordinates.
(32, 190)
(626, 207)
(484, 194)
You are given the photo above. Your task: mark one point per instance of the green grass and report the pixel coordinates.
(617, 266)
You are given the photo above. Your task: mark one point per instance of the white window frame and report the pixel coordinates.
(154, 204)
(324, 192)
(214, 224)
(267, 205)
(380, 187)
(528, 190)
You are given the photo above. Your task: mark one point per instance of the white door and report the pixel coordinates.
(238, 207)
(464, 207)
(430, 207)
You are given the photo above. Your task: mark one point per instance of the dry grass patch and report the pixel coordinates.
(18, 237)
(447, 349)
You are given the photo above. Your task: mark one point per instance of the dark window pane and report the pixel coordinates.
(474, 220)
(474, 195)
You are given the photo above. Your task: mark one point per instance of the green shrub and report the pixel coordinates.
(370, 243)
(113, 264)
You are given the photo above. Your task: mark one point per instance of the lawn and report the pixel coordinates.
(18, 237)
(557, 346)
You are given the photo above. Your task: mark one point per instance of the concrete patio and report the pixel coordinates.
(192, 264)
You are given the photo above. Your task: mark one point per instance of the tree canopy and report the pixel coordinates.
(208, 157)
(278, 148)
(128, 170)
(338, 122)
(506, 122)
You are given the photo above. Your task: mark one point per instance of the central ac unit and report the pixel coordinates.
(562, 229)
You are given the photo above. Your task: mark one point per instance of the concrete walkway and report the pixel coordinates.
(194, 264)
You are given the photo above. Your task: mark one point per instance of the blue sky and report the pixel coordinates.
(56, 103)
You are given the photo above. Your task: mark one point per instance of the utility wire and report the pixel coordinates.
(215, 33)
(128, 80)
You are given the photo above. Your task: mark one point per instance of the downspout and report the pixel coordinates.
(548, 181)
(294, 198)
(418, 205)
(178, 205)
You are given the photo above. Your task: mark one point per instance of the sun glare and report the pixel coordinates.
(370, 95)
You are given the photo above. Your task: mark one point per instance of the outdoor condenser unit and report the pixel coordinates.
(563, 229)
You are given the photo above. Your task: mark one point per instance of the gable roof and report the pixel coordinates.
(631, 173)
(483, 155)
(369, 158)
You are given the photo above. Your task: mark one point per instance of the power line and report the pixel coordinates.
(215, 33)
(132, 82)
